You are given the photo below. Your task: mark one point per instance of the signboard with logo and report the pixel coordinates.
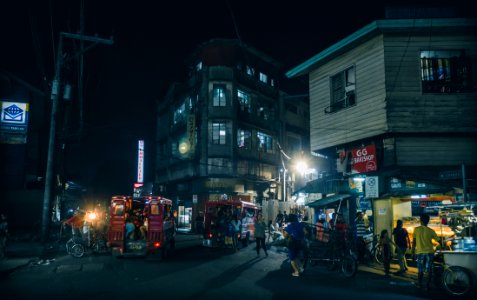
(364, 159)
(372, 187)
(13, 122)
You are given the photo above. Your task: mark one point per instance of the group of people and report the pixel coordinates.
(422, 249)
(136, 225)
(228, 227)
(422, 246)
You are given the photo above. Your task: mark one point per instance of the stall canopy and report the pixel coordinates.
(328, 200)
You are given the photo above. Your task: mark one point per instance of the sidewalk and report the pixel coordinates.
(20, 253)
(410, 275)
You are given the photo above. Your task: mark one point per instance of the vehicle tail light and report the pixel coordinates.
(157, 244)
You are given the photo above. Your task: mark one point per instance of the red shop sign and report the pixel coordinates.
(364, 159)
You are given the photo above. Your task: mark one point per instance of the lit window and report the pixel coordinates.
(263, 77)
(219, 98)
(244, 101)
(250, 71)
(218, 134)
(265, 142)
(445, 71)
(244, 139)
(179, 114)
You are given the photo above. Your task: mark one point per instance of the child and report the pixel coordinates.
(385, 243)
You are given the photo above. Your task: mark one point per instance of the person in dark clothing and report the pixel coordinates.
(260, 229)
(402, 241)
(295, 232)
(279, 219)
(385, 242)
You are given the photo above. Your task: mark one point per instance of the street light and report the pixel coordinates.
(302, 167)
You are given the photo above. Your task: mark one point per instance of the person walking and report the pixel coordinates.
(385, 242)
(271, 231)
(279, 219)
(295, 232)
(260, 228)
(402, 241)
(237, 227)
(360, 232)
(423, 250)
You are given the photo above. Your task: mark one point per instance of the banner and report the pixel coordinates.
(364, 159)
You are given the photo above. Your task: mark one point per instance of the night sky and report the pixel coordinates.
(152, 40)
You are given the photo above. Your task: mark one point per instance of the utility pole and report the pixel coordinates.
(55, 92)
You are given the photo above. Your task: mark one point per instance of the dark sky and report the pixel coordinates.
(152, 39)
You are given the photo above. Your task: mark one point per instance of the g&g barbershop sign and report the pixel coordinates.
(364, 159)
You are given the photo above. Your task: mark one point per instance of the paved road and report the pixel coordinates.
(194, 272)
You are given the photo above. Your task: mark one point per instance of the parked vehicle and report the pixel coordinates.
(153, 234)
(218, 211)
(88, 233)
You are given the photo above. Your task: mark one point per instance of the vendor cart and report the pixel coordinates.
(460, 274)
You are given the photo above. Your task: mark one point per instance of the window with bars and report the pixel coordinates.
(218, 133)
(342, 90)
(445, 71)
(219, 98)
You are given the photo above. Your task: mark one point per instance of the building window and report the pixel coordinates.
(265, 142)
(294, 144)
(263, 77)
(244, 101)
(244, 139)
(291, 108)
(250, 71)
(218, 134)
(445, 71)
(219, 95)
(179, 114)
(198, 67)
(342, 90)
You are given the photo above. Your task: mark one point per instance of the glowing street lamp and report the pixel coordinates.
(301, 167)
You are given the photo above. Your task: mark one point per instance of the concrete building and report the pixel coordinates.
(218, 135)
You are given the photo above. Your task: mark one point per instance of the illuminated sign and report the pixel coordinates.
(140, 161)
(364, 159)
(13, 122)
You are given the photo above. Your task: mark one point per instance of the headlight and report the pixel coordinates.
(91, 216)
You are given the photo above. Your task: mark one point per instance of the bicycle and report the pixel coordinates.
(373, 255)
(456, 279)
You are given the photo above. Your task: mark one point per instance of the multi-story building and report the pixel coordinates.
(395, 104)
(218, 134)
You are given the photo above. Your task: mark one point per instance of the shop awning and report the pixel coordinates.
(328, 200)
